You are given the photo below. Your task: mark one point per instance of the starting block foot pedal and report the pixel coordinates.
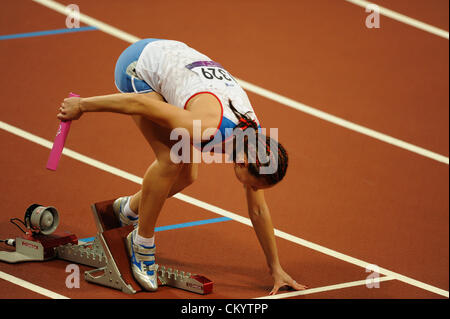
(117, 271)
(114, 274)
(117, 274)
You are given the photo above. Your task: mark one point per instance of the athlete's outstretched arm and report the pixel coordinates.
(262, 223)
(148, 105)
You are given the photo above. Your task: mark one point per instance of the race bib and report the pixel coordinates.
(210, 72)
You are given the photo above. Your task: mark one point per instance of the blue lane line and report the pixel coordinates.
(190, 224)
(177, 226)
(41, 33)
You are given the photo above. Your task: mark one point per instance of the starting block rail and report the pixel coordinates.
(108, 254)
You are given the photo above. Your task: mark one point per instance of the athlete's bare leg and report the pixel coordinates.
(162, 179)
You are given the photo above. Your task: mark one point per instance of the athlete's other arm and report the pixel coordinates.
(262, 223)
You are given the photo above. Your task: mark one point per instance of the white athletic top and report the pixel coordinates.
(178, 72)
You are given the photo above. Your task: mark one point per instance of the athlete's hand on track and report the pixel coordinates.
(281, 279)
(70, 109)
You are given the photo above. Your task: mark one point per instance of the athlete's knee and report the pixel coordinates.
(163, 169)
(169, 167)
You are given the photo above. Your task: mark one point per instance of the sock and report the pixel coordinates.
(127, 210)
(148, 242)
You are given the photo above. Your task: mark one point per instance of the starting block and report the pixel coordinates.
(108, 254)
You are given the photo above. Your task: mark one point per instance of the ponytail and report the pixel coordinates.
(277, 156)
(244, 120)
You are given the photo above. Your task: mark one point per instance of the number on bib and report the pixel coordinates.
(210, 71)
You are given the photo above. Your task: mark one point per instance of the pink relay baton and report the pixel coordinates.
(60, 140)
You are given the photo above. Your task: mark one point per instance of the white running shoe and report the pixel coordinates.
(143, 265)
(118, 207)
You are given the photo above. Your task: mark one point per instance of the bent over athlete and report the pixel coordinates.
(167, 85)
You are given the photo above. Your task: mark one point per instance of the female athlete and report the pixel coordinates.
(165, 85)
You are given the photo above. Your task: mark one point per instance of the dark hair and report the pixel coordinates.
(260, 146)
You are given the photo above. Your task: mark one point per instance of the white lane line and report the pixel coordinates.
(90, 21)
(343, 123)
(268, 94)
(404, 19)
(30, 286)
(193, 201)
(364, 282)
(360, 263)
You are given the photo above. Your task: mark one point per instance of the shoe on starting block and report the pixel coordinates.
(143, 264)
(118, 208)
